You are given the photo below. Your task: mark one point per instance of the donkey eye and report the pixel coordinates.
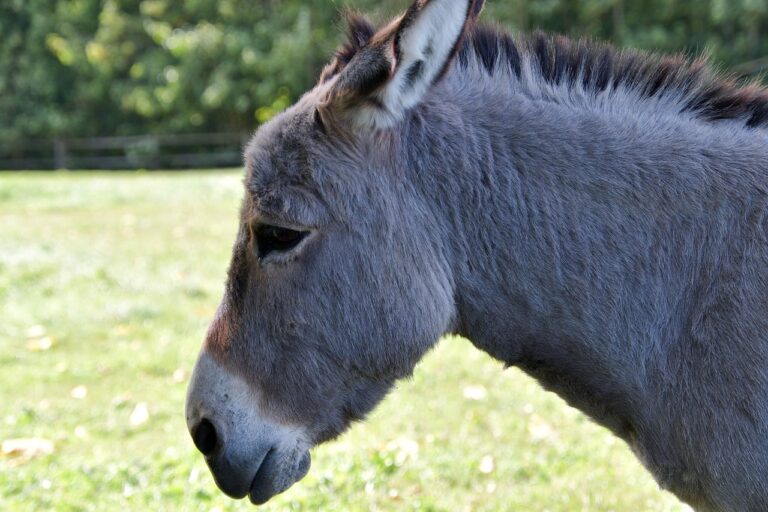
(276, 239)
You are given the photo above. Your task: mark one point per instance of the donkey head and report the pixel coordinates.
(340, 280)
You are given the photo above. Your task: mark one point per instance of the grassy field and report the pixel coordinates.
(107, 283)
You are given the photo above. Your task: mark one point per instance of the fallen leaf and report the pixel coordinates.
(475, 393)
(79, 392)
(40, 344)
(122, 329)
(25, 449)
(404, 449)
(36, 331)
(194, 476)
(540, 430)
(180, 375)
(487, 465)
(140, 414)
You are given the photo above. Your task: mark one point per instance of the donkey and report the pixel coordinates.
(596, 218)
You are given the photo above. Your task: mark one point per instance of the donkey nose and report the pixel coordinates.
(204, 437)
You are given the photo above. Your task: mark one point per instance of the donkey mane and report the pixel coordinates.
(594, 67)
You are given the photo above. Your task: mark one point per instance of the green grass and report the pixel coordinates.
(122, 273)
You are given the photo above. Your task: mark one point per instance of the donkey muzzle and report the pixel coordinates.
(248, 453)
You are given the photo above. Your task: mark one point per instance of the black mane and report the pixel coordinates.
(600, 66)
(707, 94)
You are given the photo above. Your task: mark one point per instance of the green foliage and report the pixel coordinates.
(95, 67)
(111, 67)
(107, 284)
(732, 31)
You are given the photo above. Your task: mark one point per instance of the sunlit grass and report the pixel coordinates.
(107, 282)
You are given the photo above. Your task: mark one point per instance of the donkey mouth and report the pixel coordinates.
(271, 480)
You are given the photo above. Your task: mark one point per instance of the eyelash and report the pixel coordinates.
(274, 239)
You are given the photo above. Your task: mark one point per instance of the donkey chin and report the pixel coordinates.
(248, 453)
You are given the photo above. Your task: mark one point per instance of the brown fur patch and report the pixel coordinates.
(219, 335)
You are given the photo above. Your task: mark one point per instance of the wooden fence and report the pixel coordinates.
(200, 150)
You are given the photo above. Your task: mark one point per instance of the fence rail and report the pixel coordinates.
(197, 150)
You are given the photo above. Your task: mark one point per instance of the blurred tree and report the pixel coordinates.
(106, 67)
(732, 31)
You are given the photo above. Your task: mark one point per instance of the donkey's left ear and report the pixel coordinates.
(425, 42)
(401, 62)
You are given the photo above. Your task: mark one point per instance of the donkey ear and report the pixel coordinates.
(359, 33)
(396, 69)
(477, 8)
(424, 44)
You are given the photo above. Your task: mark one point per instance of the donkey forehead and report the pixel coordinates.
(290, 169)
(280, 153)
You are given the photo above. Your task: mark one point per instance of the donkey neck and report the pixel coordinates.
(574, 234)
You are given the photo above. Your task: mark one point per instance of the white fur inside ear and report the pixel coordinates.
(425, 46)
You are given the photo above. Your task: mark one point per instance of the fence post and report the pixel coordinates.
(59, 153)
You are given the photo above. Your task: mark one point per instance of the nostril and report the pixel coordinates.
(204, 437)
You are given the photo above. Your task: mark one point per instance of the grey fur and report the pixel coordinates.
(612, 245)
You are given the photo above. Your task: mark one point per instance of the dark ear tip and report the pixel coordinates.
(476, 9)
(359, 29)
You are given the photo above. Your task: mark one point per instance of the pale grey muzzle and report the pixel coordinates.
(248, 453)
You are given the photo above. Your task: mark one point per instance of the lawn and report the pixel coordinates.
(107, 282)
